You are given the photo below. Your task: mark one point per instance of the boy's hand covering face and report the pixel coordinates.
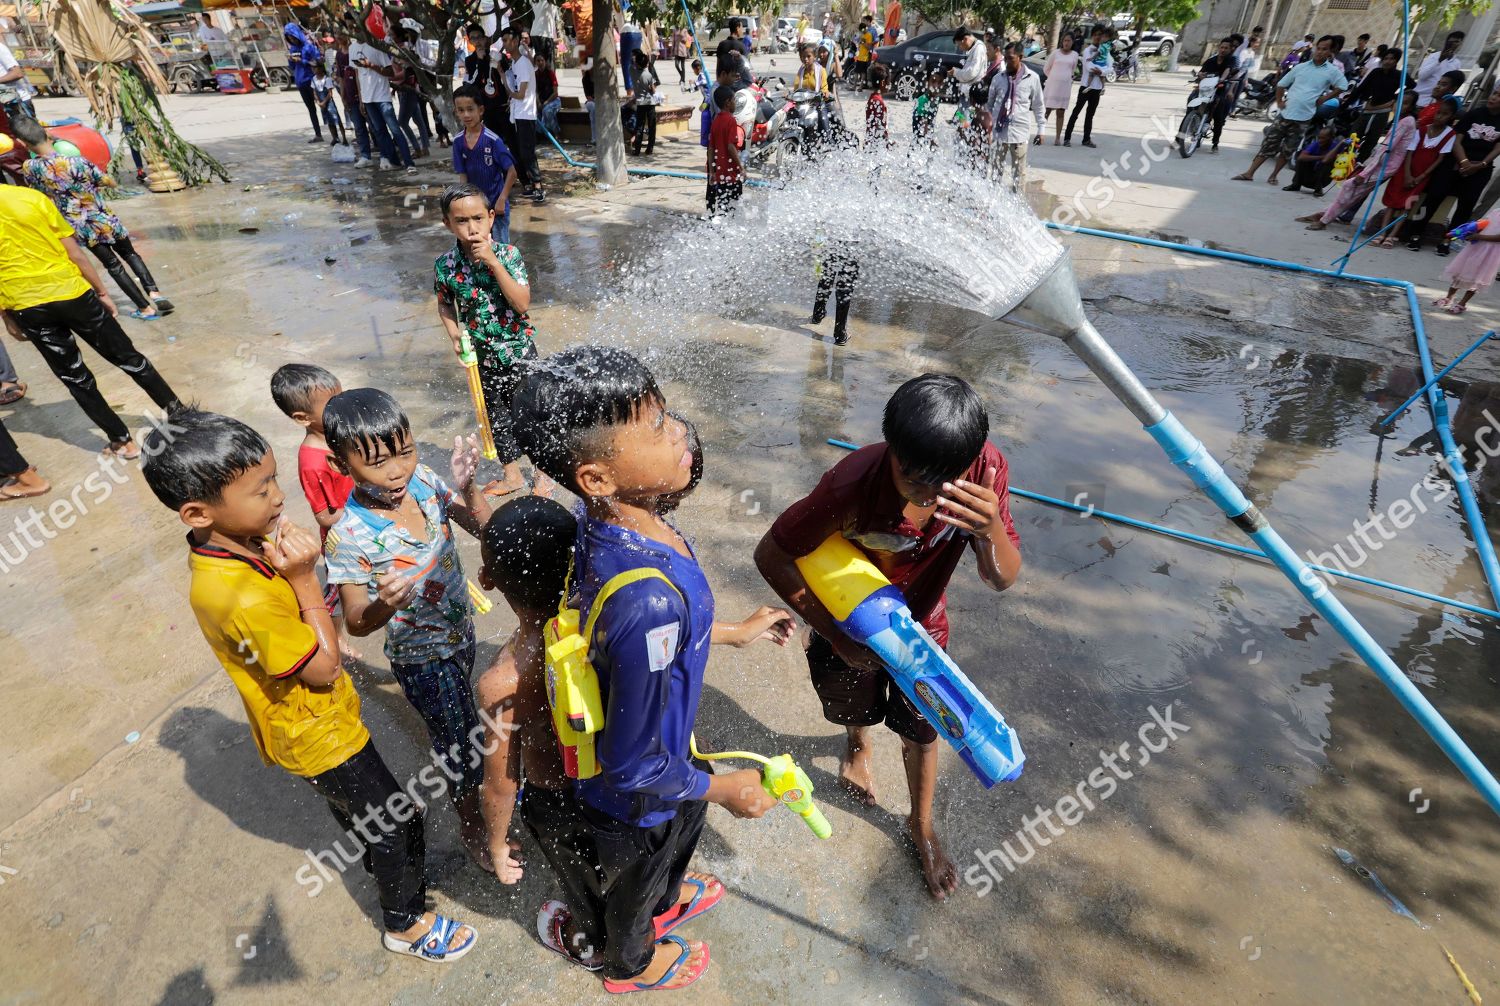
(291, 551)
(464, 462)
(974, 508)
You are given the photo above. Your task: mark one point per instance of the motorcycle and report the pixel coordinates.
(1127, 66)
(762, 111)
(813, 122)
(1258, 97)
(1199, 118)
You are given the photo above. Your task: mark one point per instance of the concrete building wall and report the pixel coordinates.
(1288, 20)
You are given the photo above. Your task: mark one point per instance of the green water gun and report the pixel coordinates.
(784, 780)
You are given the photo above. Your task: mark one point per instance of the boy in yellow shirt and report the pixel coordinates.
(260, 608)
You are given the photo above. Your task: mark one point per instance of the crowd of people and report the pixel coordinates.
(1331, 99)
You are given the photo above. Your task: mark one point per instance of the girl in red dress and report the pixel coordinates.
(1424, 154)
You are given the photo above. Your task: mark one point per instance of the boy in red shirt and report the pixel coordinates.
(726, 169)
(914, 504)
(301, 390)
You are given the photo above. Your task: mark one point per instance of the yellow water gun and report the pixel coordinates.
(470, 360)
(783, 779)
(1346, 162)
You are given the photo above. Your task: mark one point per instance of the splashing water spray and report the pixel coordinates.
(923, 222)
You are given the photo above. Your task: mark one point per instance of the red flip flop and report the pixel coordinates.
(678, 914)
(690, 974)
(550, 920)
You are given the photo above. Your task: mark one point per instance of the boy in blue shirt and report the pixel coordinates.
(394, 560)
(594, 420)
(481, 158)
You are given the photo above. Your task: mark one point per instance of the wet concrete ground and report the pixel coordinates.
(162, 867)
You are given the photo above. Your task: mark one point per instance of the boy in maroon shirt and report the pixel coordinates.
(913, 504)
(301, 390)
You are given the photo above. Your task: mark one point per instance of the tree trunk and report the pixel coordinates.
(1055, 35)
(609, 133)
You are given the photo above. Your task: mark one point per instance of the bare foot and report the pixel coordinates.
(1273, 180)
(1242, 178)
(665, 955)
(937, 869)
(688, 892)
(472, 831)
(1310, 218)
(504, 487)
(857, 771)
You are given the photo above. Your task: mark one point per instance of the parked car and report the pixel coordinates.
(1153, 43)
(911, 61)
(718, 31)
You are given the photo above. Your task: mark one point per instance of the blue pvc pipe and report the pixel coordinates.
(1486, 337)
(647, 172)
(1438, 403)
(1343, 261)
(1193, 459)
(1249, 553)
(1480, 536)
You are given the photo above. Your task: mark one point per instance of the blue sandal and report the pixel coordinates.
(622, 987)
(434, 945)
(139, 316)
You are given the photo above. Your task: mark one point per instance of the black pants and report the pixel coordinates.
(723, 197)
(51, 329)
(645, 128)
(397, 856)
(1372, 126)
(1219, 112)
(312, 108)
(110, 253)
(837, 278)
(1091, 100)
(1313, 175)
(567, 842)
(499, 383)
(11, 462)
(642, 870)
(526, 166)
(1466, 190)
(681, 63)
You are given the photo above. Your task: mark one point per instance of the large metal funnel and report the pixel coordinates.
(1055, 307)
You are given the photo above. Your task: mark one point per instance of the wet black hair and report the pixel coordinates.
(568, 399)
(936, 425)
(195, 455)
(1364, 37)
(457, 191)
(697, 64)
(362, 419)
(640, 58)
(879, 75)
(472, 28)
(293, 384)
(28, 130)
(526, 547)
(473, 92)
(962, 32)
(723, 97)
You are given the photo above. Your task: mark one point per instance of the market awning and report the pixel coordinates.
(166, 8)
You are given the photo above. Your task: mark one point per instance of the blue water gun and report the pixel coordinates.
(870, 610)
(1466, 231)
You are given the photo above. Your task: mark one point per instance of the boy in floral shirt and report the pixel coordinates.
(393, 558)
(482, 293)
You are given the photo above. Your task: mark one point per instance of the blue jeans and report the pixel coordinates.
(411, 108)
(549, 115)
(361, 130)
(388, 134)
(500, 229)
(443, 695)
(630, 43)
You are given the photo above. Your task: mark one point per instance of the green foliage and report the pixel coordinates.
(1168, 14)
